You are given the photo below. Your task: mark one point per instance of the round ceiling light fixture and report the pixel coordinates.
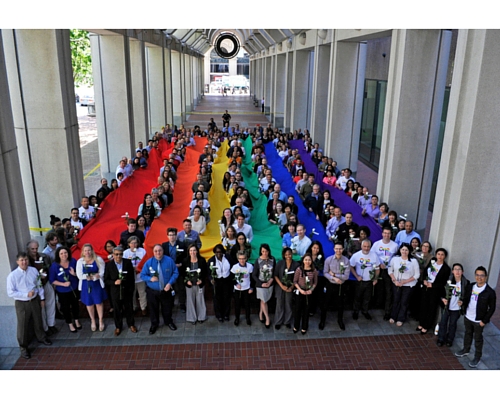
(227, 45)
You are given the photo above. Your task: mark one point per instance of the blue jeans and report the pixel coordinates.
(448, 325)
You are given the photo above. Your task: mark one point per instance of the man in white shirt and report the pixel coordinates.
(75, 220)
(342, 180)
(87, 212)
(364, 267)
(29, 296)
(301, 242)
(240, 226)
(479, 303)
(385, 249)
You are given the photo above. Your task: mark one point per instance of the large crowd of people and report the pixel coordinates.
(411, 280)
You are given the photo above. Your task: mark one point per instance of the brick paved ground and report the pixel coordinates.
(393, 352)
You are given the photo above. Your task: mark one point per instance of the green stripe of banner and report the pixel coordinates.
(263, 230)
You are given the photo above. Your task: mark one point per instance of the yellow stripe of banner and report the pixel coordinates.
(218, 200)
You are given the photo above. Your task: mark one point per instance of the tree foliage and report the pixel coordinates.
(80, 57)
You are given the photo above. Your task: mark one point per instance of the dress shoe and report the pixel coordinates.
(25, 354)
(341, 325)
(200, 321)
(237, 321)
(193, 323)
(449, 344)
(289, 326)
(45, 341)
(321, 325)
(277, 327)
(172, 326)
(133, 329)
(48, 333)
(367, 315)
(386, 317)
(355, 315)
(117, 332)
(226, 318)
(249, 322)
(439, 343)
(221, 319)
(152, 330)
(183, 308)
(53, 329)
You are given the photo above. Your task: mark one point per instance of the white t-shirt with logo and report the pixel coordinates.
(471, 309)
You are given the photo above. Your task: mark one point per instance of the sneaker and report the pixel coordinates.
(462, 353)
(474, 363)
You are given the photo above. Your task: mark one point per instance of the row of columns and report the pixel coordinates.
(335, 74)
(320, 89)
(139, 87)
(137, 91)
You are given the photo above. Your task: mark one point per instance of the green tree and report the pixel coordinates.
(81, 58)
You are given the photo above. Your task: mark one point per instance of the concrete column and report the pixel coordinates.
(300, 89)
(155, 89)
(259, 85)
(40, 75)
(139, 90)
(14, 227)
(233, 66)
(268, 76)
(281, 74)
(177, 87)
(189, 83)
(289, 91)
(415, 91)
(466, 220)
(169, 92)
(345, 103)
(113, 95)
(203, 82)
(183, 87)
(252, 77)
(320, 93)
(195, 82)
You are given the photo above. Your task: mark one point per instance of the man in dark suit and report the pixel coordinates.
(176, 250)
(120, 277)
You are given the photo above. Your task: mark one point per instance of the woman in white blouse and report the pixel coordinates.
(404, 272)
(221, 280)
(199, 224)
